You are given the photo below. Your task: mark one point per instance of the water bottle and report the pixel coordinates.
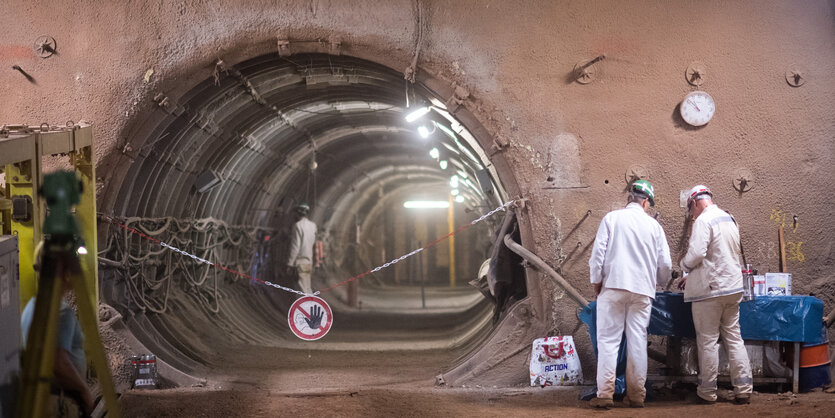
(747, 283)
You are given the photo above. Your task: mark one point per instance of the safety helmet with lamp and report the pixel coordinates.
(644, 187)
(697, 191)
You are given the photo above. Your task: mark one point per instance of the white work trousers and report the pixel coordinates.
(714, 317)
(619, 310)
(304, 271)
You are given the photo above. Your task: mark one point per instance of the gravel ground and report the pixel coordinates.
(273, 382)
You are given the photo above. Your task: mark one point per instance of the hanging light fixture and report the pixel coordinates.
(425, 204)
(434, 153)
(443, 164)
(417, 114)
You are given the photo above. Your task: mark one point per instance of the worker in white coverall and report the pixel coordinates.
(714, 286)
(302, 239)
(629, 259)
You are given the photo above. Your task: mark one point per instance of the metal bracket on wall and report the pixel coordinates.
(283, 46)
(586, 71)
(635, 172)
(335, 45)
(457, 98)
(743, 180)
(499, 144)
(167, 105)
(795, 76)
(45, 46)
(695, 73)
(161, 100)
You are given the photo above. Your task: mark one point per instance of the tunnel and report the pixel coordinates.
(218, 172)
(212, 120)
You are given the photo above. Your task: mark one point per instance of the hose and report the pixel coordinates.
(543, 267)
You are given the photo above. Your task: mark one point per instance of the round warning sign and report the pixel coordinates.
(310, 318)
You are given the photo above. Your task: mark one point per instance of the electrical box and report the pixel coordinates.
(9, 324)
(21, 208)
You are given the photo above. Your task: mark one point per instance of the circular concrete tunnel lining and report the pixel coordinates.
(256, 129)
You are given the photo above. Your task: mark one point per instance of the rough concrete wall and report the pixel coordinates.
(516, 60)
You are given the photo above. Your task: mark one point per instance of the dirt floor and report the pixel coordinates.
(272, 382)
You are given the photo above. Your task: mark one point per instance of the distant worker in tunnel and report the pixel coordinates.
(714, 286)
(302, 240)
(629, 259)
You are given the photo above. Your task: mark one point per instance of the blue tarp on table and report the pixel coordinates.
(782, 318)
(772, 318)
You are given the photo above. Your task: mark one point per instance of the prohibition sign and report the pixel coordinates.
(310, 318)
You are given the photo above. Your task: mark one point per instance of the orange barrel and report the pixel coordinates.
(814, 355)
(814, 365)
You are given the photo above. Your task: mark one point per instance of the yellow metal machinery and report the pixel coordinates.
(21, 151)
(19, 155)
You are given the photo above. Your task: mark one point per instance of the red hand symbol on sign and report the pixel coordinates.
(311, 321)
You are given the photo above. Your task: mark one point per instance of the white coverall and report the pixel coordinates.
(714, 285)
(630, 257)
(302, 239)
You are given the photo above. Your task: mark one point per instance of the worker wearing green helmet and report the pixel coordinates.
(643, 187)
(630, 257)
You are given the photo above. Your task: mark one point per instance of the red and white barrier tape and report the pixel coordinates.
(342, 283)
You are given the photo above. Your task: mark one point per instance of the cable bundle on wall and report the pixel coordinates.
(149, 271)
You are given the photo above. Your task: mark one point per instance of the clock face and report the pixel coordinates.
(697, 108)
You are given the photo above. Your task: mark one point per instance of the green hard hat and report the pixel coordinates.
(643, 186)
(303, 209)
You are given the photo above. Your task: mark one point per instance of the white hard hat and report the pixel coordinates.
(697, 190)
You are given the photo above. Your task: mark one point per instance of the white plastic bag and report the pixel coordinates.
(554, 362)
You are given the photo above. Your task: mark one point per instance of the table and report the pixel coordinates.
(794, 319)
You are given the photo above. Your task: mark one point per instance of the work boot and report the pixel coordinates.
(702, 401)
(742, 399)
(632, 403)
(603, 403)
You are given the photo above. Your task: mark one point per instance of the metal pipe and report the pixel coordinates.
(656, 355)
(543, 267)
(494, 251)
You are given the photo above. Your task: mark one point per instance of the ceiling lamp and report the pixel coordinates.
(417, 114)
(426, 204)
(423, 131)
